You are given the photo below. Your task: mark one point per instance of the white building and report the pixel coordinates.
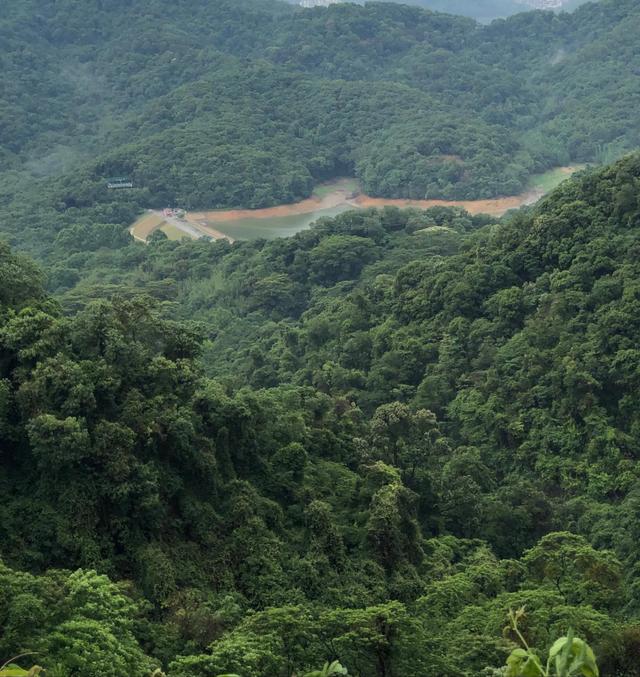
(318, 3)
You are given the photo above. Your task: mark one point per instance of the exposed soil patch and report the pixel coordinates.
(494, 207)
(174, 227)
(340, 194)
(146, 224)
(335, 194)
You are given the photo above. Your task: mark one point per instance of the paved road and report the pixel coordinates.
(183, 225)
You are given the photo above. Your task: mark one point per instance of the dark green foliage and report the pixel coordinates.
(365, 443)
(446, 433)
(248, 104)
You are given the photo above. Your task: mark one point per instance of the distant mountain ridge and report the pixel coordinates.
(487, 10)
(546, 4)
(318, 3)
(482, 10)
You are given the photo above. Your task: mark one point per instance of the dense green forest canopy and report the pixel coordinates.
(215, 104)
(427, 419)
(481, 10)
(365, 443)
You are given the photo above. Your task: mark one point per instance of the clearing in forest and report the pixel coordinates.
(146, 224)
(173, 226)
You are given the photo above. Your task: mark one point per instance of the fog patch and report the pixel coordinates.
(58, 161)
(83, 79)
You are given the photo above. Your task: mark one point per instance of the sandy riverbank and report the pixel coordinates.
(494, 207)
(340, 194)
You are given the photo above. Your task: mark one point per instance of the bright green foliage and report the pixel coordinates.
(248, 655)
(80, 622)
(572, 655)
(568, 656)
(575, 569)
(329, 670)
(10, 669)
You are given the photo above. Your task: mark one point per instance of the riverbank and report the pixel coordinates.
(326, 196)
(328, 199)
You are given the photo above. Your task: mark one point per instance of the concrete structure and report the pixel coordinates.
(318, 3)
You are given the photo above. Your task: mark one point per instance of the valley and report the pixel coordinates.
(257, 420)
(328, 200)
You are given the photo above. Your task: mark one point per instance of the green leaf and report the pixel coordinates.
(557, 647)
(336, 668)
(585, 663)
(573, 656)
(523, 663)
(515, 661)
(532, 668)
(13, 671)
(329, 670)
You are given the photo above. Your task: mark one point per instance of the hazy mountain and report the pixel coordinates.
(482, 10)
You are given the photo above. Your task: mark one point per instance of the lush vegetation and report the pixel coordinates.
(427, 419)
(249, 103)
(363, 447)
(485, 10)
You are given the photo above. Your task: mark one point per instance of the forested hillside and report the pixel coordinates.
(481, 10)
(365, 443)
(215, 104)
(434, 419)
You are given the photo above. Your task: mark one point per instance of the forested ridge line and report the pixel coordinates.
(435, 422)
(481, 10)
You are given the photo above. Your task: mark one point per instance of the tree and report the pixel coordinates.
(408, 440)
(575, 569)
(392, 531)
(340, 257)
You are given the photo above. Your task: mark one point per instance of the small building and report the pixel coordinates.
(318, 3)
(118, 182)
